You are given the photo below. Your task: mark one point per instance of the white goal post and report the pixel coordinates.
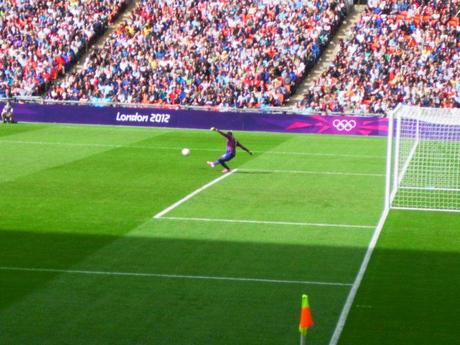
(423, 159)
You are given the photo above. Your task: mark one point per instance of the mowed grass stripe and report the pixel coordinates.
(290, 198)
(171, 276)
(86, 191)
(22, 160)
(177, 148)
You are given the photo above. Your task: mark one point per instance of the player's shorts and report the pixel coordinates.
(227, 156)
(7, 116)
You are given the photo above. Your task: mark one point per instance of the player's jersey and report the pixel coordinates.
(7, 110)
(231, 145)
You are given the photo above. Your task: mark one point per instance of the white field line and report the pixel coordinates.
(429, 188)
(424, 209)
(321, 154)
(359, 277)
(146, 147)
(58, 143)
(192, 194)
(171, 276)
(310, 172)
(218, 220)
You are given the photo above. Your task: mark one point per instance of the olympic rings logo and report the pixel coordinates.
(344, 125)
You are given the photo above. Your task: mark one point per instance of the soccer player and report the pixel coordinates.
(230, 153)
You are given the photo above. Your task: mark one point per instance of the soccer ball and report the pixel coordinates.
(185, 152)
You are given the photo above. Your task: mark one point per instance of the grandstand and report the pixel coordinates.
(240, 54)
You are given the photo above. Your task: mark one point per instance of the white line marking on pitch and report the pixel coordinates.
(359, 277)
(147, 147)
(320, 154)
(310, 172)
(191, 195)
(172, 276)
(58, 143)
(268, 222)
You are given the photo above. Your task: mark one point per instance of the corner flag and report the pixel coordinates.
(306, 321)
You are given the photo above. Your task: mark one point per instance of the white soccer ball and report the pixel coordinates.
(185, 152)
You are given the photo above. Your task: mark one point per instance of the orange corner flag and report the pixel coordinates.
(306, 321)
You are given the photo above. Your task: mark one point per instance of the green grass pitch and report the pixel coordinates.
(84, 261)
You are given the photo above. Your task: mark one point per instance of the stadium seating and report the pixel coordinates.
(236, 53)
(400, 51)
(39, 39)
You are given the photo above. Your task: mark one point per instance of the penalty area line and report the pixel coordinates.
(192, 194)
(247, 221)
(170, 276)
(310, 172)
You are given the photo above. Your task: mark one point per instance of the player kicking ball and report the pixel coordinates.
(230, 153)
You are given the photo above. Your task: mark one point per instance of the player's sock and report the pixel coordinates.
(225, 165)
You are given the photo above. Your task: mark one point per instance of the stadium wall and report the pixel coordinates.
(202, 119)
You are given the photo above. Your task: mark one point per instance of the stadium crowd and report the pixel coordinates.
(400, 51)
(40, 38)
(237, 53)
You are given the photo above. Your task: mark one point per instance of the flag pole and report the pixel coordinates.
(302, 339)
(306, 320)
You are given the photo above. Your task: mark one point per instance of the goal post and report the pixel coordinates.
(423, 159)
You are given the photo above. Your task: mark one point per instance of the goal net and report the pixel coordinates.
(425, 159)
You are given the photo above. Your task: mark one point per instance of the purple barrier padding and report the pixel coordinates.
(201, 119)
